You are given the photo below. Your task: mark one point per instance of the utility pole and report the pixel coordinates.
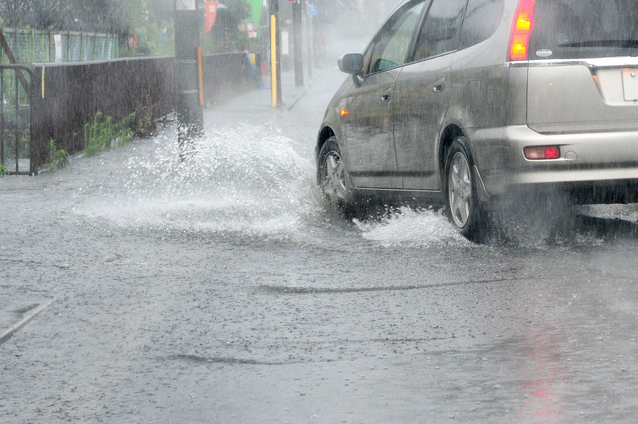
(190, 114)
(310, 37)
(298, 43)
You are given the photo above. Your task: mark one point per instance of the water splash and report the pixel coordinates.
(624, 212)
(246, 179)
(250, 181)
(413, 228)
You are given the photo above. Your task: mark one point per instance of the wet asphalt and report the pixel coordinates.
(222, 290)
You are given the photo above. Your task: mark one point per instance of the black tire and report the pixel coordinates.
(333, 179)
(461, 197)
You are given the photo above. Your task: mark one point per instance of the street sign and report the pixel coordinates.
(251, 27)
(285, 43)
(312, 9)
(57, 38)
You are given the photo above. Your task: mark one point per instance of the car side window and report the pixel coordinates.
(441, 30)
(390, 48)
(481, 21)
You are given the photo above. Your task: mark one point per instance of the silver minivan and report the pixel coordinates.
(471, 101)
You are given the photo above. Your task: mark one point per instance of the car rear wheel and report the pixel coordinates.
(463, 207)
(332, 177)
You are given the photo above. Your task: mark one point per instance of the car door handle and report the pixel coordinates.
(439, 85)
(385, 97)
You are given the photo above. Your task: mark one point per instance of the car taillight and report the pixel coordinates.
(542, 152)
(521, 30)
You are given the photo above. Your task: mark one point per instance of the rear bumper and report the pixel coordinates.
(590, 162)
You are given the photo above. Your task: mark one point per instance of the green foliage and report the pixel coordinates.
(218, 41)
(3, 170)
(226, 36)
(238, 9)
(58, 158)
(103, 133)
(9, 88)
(164, 42)
(155, 36)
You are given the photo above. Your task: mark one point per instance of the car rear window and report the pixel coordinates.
(582, 29)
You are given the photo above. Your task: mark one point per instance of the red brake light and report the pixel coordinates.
(542, 152)
(521, 30)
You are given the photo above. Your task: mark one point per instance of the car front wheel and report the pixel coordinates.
(332, 177)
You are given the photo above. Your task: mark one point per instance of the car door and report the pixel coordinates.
(368, 109)
(422, 93)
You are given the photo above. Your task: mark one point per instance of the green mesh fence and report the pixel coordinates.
(30, 46)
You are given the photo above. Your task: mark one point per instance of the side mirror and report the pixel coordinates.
(351, 63)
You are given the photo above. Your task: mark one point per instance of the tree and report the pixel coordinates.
(226, 36)
(112, 16)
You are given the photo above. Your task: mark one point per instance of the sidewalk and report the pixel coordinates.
(256, 105)
(321, 82)
(290, 93)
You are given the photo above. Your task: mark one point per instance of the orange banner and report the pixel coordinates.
(211, 14)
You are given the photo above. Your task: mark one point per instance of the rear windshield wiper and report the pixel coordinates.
(627, 44)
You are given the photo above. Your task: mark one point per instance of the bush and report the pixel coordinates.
(103, 133)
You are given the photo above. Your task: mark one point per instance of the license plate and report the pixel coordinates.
(630, 84)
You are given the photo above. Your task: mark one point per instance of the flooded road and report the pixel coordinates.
(221, 289)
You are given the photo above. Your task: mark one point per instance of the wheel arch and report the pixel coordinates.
(448, 135)
(324, 134)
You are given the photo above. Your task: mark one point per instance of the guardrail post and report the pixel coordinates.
(68, 47)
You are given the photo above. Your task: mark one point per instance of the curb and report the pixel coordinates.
(24, 321)
(299, 97)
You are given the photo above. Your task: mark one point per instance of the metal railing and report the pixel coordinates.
(16, 156)
(32, 46)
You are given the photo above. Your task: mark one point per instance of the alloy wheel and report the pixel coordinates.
(460, 190)
(334, 182)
